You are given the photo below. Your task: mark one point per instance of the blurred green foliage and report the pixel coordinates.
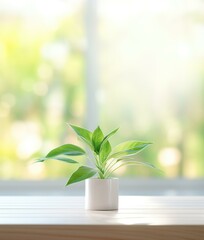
(150, 89)
(42, 87)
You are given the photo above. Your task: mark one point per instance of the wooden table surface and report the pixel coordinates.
(61, 217)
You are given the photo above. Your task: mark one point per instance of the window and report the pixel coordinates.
(151, 71)
(137, 65)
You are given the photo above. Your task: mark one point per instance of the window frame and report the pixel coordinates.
(128, 186)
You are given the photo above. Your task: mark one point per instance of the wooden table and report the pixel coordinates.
(57, 218)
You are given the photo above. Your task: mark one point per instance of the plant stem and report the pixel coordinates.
(95, 162)
(110, 165)
(122, 164)
(99, 167)
(100, 175)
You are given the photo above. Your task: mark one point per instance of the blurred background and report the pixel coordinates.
(137, 65)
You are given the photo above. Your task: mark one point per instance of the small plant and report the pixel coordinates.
(104, 158)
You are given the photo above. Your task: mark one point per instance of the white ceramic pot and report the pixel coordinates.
(101, 194)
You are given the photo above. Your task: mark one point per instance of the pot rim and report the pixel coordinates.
(102, 179)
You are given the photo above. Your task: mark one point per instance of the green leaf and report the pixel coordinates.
(67, 149)
(97, 138)
(81, 174)
(108, 136)
(105, 147)
(63, 159)
(84, 134)
(129, 160)
(146, 164)
(128, 148)
(104, 151)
